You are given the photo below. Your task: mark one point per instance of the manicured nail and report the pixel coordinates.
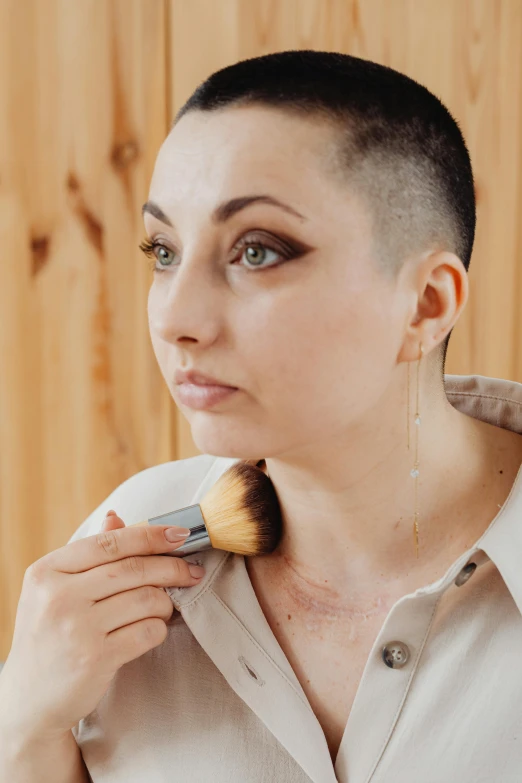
(196, 570)
(173, 534)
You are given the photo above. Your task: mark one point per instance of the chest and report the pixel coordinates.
(329, 670)
(328, 652)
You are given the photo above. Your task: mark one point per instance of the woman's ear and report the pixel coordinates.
(442, 291)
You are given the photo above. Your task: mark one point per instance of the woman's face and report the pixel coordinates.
(306, 326)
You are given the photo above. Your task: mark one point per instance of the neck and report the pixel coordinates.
(348, 521)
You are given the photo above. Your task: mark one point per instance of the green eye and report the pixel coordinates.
(256, 252)
(163, 250)
(149, 248)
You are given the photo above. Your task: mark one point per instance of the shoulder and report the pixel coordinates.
(157, 490)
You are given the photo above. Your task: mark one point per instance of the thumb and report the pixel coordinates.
(112, 521)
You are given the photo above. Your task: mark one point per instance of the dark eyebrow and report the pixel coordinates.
(227, 209)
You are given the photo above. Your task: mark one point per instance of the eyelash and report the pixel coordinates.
(148, 247)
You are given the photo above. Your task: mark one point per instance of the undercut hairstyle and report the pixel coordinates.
(393, 142)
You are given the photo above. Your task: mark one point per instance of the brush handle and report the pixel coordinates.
(190, 517)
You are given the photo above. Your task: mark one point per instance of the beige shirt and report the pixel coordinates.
(218, 701)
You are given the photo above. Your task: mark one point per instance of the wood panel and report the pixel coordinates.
(87, 92)
(82, 402)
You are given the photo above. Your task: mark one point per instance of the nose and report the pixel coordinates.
(187, 305)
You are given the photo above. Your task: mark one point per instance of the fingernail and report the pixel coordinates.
(109, 513)
(196, 570)
(176, 533)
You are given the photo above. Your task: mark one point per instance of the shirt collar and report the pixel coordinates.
(499, 402)
(493, 400)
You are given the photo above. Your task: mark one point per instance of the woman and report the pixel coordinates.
(310, 222)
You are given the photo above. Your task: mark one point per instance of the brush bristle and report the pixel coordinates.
(242, 512)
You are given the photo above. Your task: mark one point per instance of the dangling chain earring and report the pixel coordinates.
(414, 472)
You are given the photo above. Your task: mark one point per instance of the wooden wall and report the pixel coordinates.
(87, 92)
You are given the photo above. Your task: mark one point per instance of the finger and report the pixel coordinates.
(129, 573)
(131, 606)
(108, 546)
(130, 642)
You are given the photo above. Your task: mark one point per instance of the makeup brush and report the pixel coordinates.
(240, 513)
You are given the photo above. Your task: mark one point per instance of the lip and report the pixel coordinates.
(201, 397)
(199, 379)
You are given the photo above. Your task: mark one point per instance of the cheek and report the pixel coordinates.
(306, 336)
(320, 355)
(150, 317)
(160, 347)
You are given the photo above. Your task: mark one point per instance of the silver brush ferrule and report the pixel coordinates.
(190, 517)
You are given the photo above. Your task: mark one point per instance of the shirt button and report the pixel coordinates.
(465, 574)
(395, 654)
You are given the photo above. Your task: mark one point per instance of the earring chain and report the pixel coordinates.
(414, 472)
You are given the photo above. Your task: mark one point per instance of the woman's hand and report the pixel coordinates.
(84, 610)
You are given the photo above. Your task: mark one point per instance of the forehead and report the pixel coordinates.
(236, 148)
